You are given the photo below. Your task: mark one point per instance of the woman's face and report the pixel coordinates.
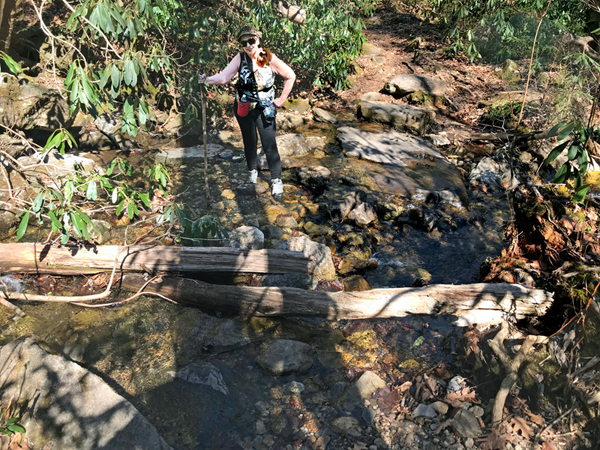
(250, 48)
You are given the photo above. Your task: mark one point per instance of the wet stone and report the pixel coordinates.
(368, 415)
(347, 426)
(402, 117)
(294, 387)
(356, 283)
(205, 374)
(284, 356)
(363, 215)
(368, 383)
(312, 229)
(286, 221)
(226, 154)
(314, 177)
(321, 263)
(228, 194)
(295, 280)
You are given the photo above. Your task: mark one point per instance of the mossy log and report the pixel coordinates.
(72, 260)
(471, 303)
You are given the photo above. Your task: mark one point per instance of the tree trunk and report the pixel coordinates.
(70, 260)
(474, 303)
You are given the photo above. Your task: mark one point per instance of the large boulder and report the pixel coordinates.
(405, 84)
(68, 405)
(406, 164)
(25, 105)
(402, 117)
(390, 147)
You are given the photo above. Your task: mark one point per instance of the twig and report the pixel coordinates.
(555, 421)
(137, 294)
(48, 33)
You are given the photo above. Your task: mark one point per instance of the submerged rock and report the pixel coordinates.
(205, 374)
(284, 356)
(69, 405)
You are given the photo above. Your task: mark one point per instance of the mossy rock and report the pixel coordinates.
(510, 72)
(299, 105)
(366, 340)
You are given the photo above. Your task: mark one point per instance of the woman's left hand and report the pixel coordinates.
(278, 102)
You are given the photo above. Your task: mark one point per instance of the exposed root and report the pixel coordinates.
(511, 366)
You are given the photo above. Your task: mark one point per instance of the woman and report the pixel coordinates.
(255, 101)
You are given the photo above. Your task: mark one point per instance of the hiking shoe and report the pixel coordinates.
(276, 187)
(252, 176)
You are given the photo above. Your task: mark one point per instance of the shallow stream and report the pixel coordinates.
(139, 347)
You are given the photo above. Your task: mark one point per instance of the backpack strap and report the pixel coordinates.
(246, 84)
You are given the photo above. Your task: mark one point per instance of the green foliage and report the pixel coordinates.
(322, 50)
(200, 232)
(12, 65)
(158, 174)
(499, 30)
(63, 202)
(10, 426)
(578, 156)
(126, 61)
(59, 140)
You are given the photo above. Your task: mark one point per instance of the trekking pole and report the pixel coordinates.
(203, 100)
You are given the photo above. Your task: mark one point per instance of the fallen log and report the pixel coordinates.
(471, 303)
(72, 260)
(502, 137)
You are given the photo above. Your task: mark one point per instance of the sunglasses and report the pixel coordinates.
(250, 41)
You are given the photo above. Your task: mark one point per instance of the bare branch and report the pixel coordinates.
(290, 12)
(584, 43)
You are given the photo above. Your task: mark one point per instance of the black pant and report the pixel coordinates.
(266, 130)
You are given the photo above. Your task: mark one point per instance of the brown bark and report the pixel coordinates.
(70, 260)
(474, 303)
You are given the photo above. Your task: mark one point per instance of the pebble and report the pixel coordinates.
(380, 443)
(424, 410)
(477, 411)
(259, 427)
(469, 442)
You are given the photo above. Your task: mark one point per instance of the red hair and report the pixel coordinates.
(264, 57)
